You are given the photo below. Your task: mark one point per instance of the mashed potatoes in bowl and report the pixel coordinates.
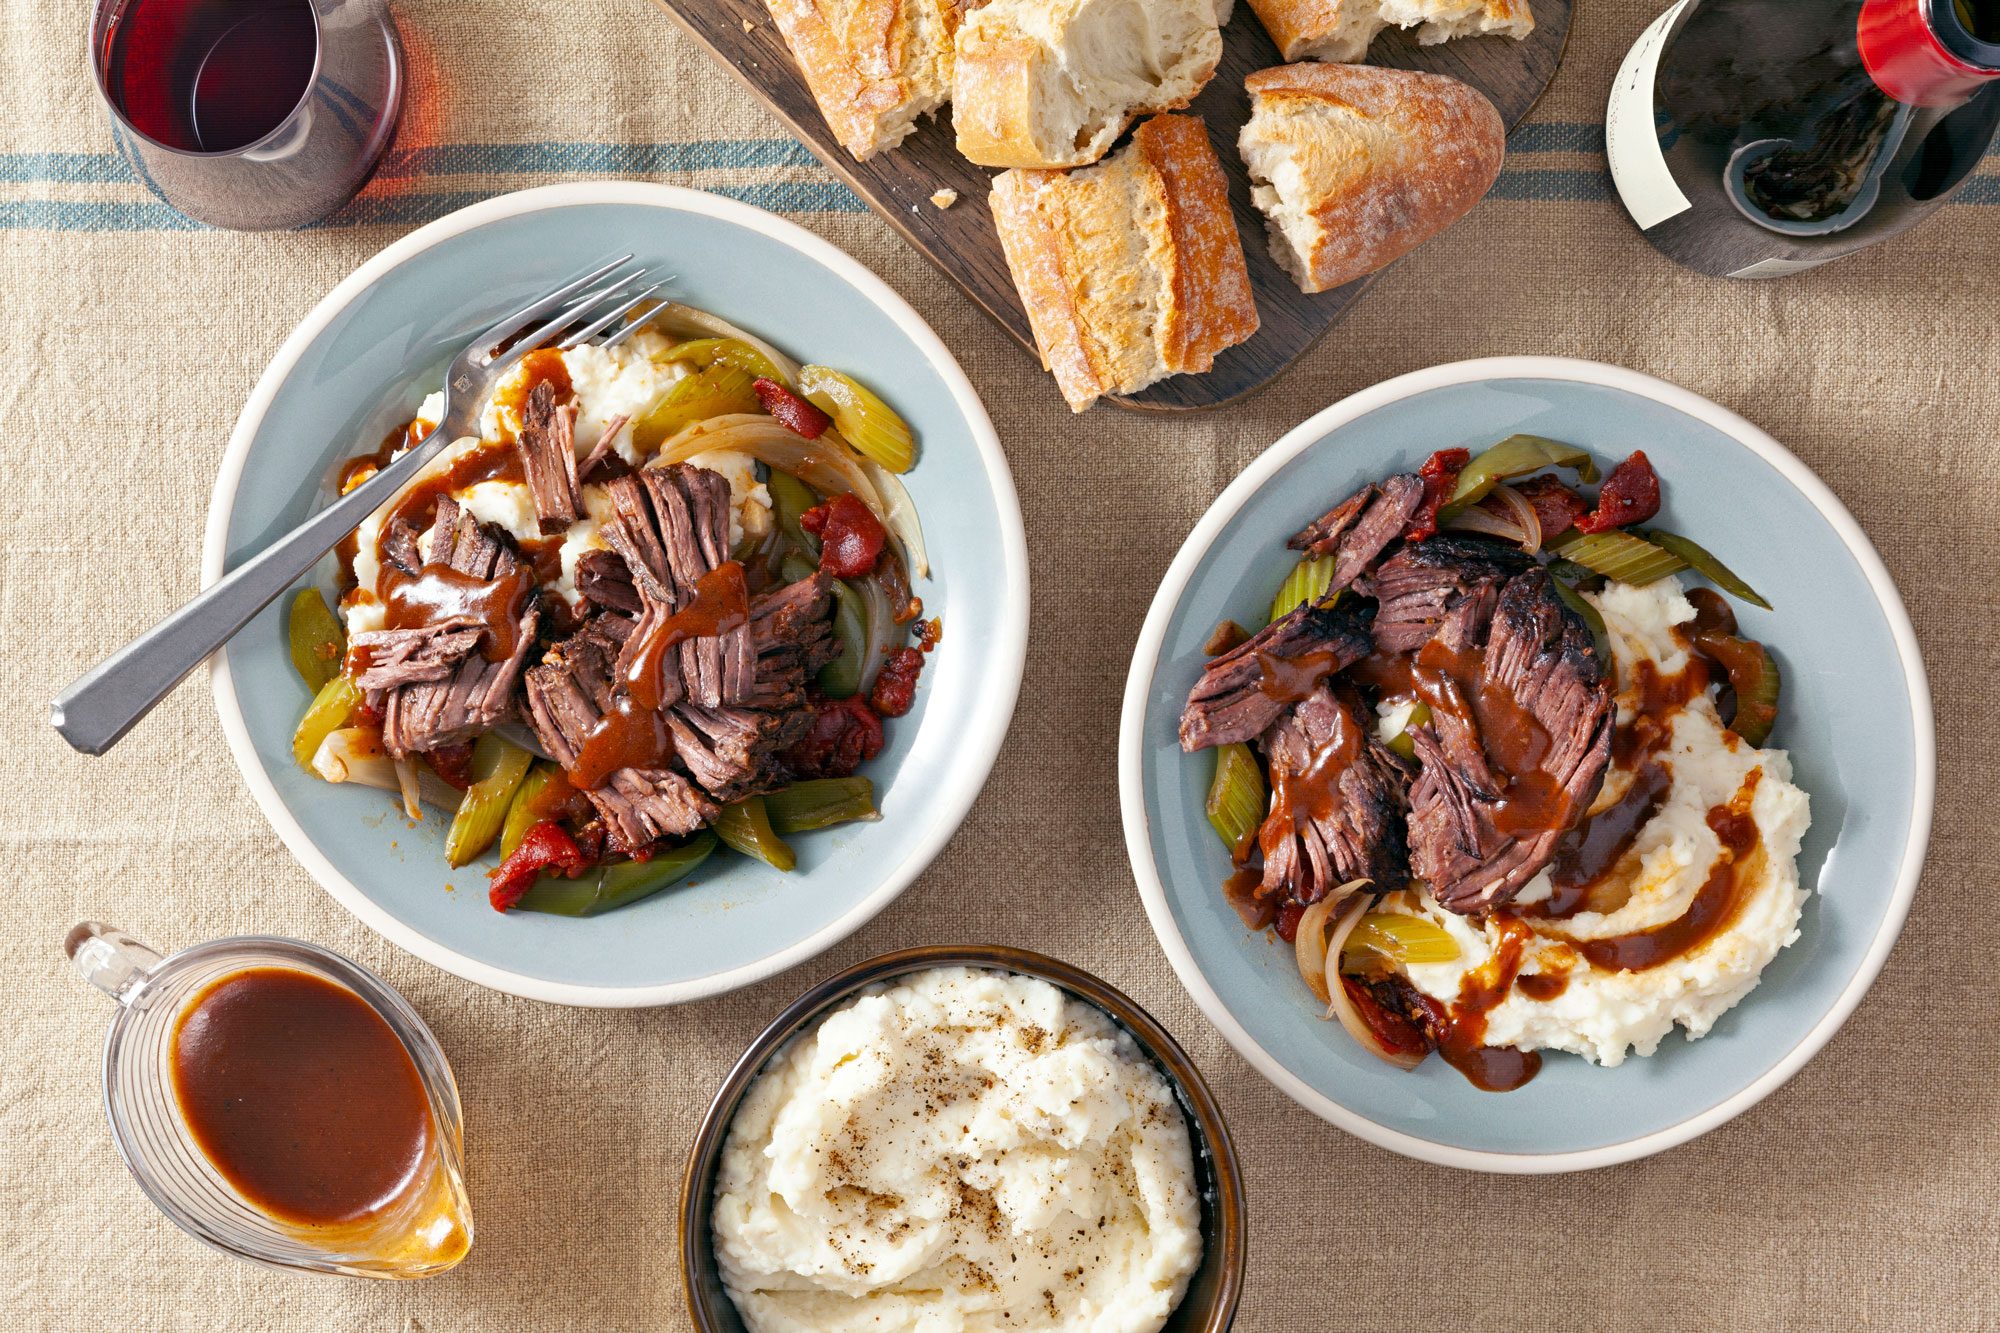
(961, 1147)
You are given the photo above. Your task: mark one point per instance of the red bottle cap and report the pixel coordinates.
(1911, 62)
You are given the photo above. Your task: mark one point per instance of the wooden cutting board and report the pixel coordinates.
(961, 241)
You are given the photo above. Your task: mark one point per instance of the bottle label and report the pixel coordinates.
(1632, 142)
(1778, 268)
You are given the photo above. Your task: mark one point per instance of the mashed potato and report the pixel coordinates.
(963, 1150)
(1605, 1014)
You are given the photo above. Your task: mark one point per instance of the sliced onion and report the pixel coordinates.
(678, 318)
(1524, 515)
(1487, 523)
(828, 470)
(1309, 942)
(1309, 945)
(1340, 1005)
(1519, 524)
(406, 782)
(881, 629)
(354, 754)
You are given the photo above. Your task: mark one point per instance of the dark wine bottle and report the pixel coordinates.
(1754, 138)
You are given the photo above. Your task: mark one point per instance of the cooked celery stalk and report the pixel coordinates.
(795, 567)
(1706, 565)
(746, 826)
(317, 642)
(1576, 602)
(1570, 572)
(498, 766)
(327, 713)
(841, 677)
(522, 813)
(711, 392)
(790, 498)
(1236, 796)
(820, 803)
(863, 420)
(1516, 456)
(1753, 675)
(1307, 582)
(1618, 555)
(706, 352)
(1402, 743)
(616, 886)
(1400, 939)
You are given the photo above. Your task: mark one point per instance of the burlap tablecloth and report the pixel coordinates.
(1863, 1192)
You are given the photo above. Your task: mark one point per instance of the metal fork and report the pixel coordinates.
(108, 700)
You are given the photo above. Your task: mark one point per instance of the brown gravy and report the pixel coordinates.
(1454, 681)
(721, 604)
(301, 1096)
(487, 462)
(543, 365)
(1587, 853)
(1462, 1042)
(1289, 680)
(1241, 890)
(1715, 904)
(437, 594)
(1312, 793)
(627, 736)
(1542, 985)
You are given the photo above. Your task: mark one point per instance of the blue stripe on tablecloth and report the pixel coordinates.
(604, 159)
(1519, 182)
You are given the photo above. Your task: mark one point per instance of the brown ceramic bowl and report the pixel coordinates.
(1210, 1303)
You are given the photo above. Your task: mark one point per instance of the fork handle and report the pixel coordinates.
(105, 702)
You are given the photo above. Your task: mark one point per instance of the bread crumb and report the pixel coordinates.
(945, 198)
(748, 26)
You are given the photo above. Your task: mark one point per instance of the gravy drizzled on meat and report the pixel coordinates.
(438, 595)
(721, 603)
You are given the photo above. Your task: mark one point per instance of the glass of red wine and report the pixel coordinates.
(250, 114)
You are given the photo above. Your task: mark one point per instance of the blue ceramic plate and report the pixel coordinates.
(365, 358)
(1856, 718)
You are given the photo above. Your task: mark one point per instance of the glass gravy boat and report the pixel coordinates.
(424, 1229)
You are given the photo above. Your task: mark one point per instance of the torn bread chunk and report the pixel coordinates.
(1443, 20)
(1052, 83)
(1131, 270)
(1354, 166)
(874, 66)
(1341, 30)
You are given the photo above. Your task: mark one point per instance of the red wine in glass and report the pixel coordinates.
(250, 113)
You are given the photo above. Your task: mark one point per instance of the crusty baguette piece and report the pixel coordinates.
(874, 66)
(1442, 20)
(1051, 83)
(1354, 166)
(1341, 30)
(1130, 270)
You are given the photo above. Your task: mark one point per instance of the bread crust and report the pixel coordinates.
(1342, 30)
(874, 66)
(1213, 306)
(1377, 161)
(1319, 29)
(1180, 292)
(1010, 85)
